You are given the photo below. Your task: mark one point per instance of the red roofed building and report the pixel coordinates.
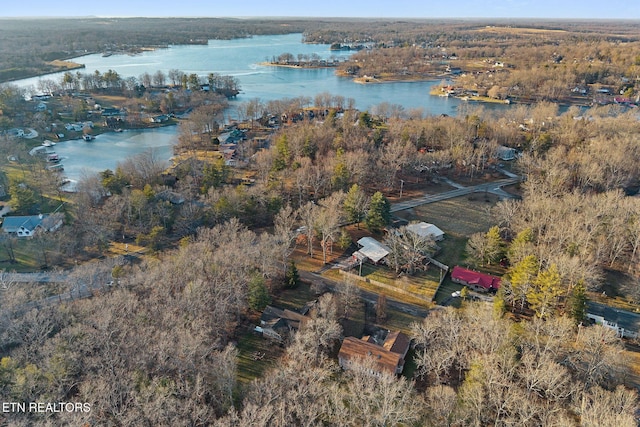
(475, 280)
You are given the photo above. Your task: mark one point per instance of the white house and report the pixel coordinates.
(27, 226)
(425, 229)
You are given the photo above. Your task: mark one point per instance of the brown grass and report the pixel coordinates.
(64, 64)
(461, 216)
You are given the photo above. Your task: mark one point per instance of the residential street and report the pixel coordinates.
(494, 187)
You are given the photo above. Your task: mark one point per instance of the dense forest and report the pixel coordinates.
(160, 340)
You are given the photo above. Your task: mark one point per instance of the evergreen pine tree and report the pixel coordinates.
(355, 204)
(258, 297)
(292, 276)
(577, 307)
(379, 213)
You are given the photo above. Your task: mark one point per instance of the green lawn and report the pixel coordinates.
(28, 255)
(399, 320)
(445, 291)
(294, 299)
(255, 355)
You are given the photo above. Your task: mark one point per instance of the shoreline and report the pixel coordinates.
(298, 67)
(376, 80)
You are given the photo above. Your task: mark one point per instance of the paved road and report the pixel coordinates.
(45, 277)
(79, 291)
(491, 187)
(370, 297)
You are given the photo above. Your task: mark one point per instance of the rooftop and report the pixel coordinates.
(624, 319)
(354, 348)
(486, 281)
(372, 249)
(425, 229)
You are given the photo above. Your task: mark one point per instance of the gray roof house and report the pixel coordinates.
(276, 323)
(626, 324)
(26, 226)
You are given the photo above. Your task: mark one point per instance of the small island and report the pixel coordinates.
(302, 61)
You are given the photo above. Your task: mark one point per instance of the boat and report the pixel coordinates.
(56, 167)
(88, 137)
(48, 143)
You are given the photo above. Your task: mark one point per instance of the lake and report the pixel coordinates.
(80, 157)
(240, 58)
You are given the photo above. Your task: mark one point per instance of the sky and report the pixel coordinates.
(565, 9)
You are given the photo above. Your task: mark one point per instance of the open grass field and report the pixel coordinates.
(458, 218)
(422, 283)
(371, 287)
(461, 216)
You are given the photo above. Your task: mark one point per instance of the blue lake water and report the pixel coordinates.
(240, 58)
(81, 158)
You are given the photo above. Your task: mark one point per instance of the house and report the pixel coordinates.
(159, 119)
(27, 226)
(625, 323)
(388, 357)
(425, 229)
(475, 280)
(506, 153)
(276, 323)
(110, 112)
(171, 197)
(371, 249)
